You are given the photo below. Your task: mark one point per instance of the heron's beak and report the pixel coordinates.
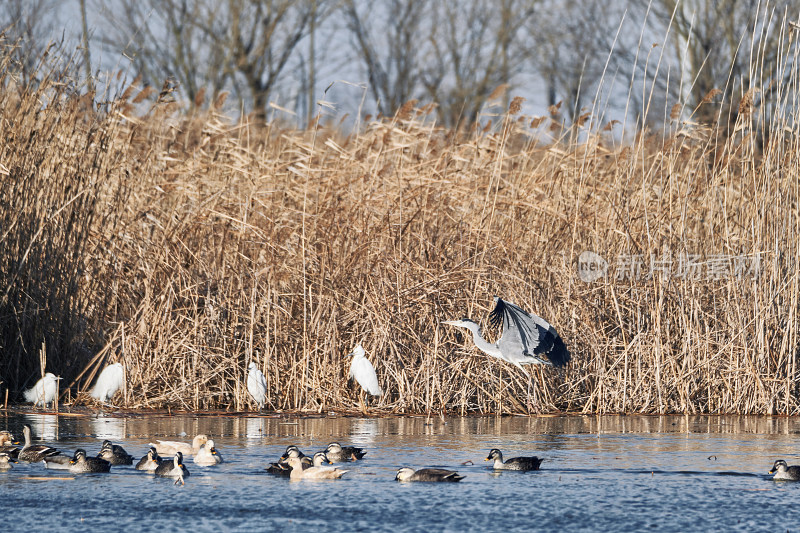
(450, 322)
(771, 471)
(488, 458)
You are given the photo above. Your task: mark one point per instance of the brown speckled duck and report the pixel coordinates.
(33, 453)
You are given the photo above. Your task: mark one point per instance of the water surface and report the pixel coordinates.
(599, 474)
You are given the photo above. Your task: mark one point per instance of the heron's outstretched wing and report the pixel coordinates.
(527, 335)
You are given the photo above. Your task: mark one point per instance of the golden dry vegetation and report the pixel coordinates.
(186, 245)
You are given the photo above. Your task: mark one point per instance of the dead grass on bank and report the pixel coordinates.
(187, 246)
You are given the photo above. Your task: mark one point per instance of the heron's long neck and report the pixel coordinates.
(482, 343)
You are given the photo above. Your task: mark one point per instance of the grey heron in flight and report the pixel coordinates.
(526, 339)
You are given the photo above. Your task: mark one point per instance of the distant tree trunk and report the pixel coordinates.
(87, 58)
(312, 74)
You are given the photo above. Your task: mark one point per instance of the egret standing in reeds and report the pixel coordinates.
(44, 392)
(364, 373)
(110, 381)
(257, 385)
(527, 339)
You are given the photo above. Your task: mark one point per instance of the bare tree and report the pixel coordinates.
(244, 45)
(476, 46)
(569, 43)
(164, 40)
(709, 45)
(29, 25)
(388, 40)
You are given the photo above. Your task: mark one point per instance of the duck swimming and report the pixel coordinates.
(7, 444)
(313, 472)
(150, 462)
(5, 461)
(115, 454)
(282, 468)
(515, 463)
(82, 464)
(427, 474)
(174, 468)
(279, 469)
(291, 451)
(320, 459)
(171, 447)
(784, 472)
(58, 461)
(33, 453)
(208, 454)
(337, 453)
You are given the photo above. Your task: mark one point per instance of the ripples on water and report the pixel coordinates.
(600, 474)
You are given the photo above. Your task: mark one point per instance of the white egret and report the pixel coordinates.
(256, 385)
(363, 372)
(525, 339)
(110, 381)
(44, 392)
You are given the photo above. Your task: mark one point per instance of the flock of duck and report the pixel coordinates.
(203, 449)
(293, 464)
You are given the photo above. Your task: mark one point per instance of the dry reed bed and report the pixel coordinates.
(185, 246)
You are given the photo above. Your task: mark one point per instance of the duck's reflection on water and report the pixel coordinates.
(597, 468)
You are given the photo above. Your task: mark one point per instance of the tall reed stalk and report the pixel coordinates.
(186, 246)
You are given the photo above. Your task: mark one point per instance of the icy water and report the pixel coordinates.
(599, 474)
